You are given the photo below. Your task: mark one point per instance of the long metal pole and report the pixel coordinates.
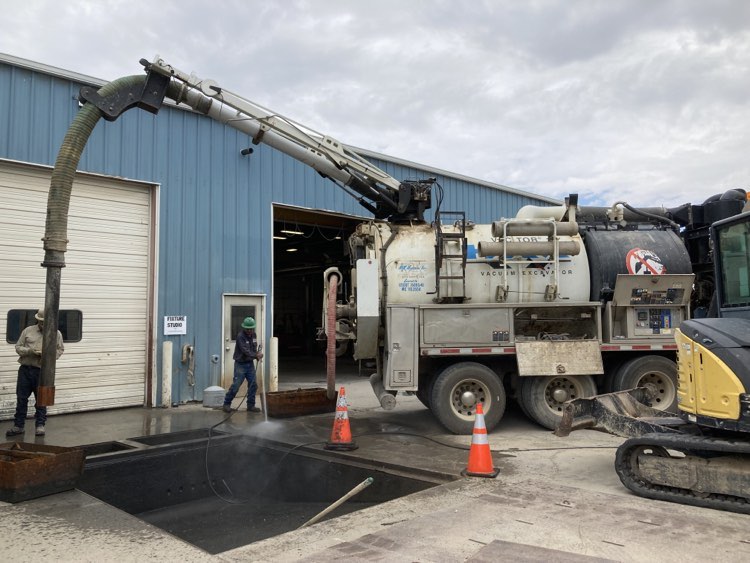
(263, 394)
(363, 485)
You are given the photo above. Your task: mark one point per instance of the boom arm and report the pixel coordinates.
(378, 192)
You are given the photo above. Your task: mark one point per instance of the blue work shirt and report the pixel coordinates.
(246, 349)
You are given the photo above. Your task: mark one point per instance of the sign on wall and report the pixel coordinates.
(175, 324)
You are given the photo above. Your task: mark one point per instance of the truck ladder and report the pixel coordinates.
(450, 257)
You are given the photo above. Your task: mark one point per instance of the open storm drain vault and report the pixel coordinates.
(273, 488)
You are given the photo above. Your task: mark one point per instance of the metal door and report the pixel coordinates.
(236, 308)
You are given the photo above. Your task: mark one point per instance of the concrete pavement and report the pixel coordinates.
(555, 498)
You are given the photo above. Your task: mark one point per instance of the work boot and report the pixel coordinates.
(39, 430)
(227, 408)
(15, 431)
(253, 409)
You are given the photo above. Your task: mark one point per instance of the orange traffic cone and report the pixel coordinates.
(480, 456)
(341, 436)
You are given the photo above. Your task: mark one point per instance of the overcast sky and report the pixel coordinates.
(643, 100)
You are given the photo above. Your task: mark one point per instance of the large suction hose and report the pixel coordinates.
(56, 229)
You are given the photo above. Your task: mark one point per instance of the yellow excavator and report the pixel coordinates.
(700, 456)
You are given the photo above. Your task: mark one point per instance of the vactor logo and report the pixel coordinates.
(644, 262)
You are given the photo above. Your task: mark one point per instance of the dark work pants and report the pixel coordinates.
(28, 381)
(242, 372)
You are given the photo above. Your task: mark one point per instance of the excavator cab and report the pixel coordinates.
(714, 354)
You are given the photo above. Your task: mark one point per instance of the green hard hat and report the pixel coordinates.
(249, 322)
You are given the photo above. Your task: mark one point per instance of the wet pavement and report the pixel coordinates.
(554, 498)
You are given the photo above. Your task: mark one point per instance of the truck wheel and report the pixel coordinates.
(653, 371)
(457, 390)
(424, 391)
(543, 398)
(342, 347)
(520, 402)
(521, 406)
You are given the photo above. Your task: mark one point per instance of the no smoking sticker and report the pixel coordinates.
(644, 262)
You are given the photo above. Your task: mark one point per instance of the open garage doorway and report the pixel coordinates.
(305, 243)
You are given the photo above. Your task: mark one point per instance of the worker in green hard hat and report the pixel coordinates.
(246, 352)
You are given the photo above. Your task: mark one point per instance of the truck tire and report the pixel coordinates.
(543, 398)
(424, 391)
(521, 406)
(654, 371)
(342, 347)
(457, 390)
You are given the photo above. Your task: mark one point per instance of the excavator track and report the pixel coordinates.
(709, 472)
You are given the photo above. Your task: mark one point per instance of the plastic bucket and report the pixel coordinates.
(213, 396)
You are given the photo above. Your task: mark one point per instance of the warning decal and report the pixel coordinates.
(644, 262)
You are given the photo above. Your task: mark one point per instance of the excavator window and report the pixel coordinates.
(734, 253)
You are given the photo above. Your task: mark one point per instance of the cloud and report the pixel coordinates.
(636, 100)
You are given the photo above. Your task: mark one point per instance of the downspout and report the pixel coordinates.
(109, 101)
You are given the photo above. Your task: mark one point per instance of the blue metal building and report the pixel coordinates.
(215, 213)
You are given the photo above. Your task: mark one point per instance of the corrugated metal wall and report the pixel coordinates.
(215, 218)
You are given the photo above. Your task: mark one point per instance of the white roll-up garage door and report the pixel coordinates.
(108, 277)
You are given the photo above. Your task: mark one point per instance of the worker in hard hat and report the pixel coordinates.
(246, 352)
(29, 350)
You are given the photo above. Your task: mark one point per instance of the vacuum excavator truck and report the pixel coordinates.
(702, 456)
(539, 306)
(554, 304)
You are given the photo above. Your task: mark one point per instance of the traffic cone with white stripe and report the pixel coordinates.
(480, 456)
(341, 435)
